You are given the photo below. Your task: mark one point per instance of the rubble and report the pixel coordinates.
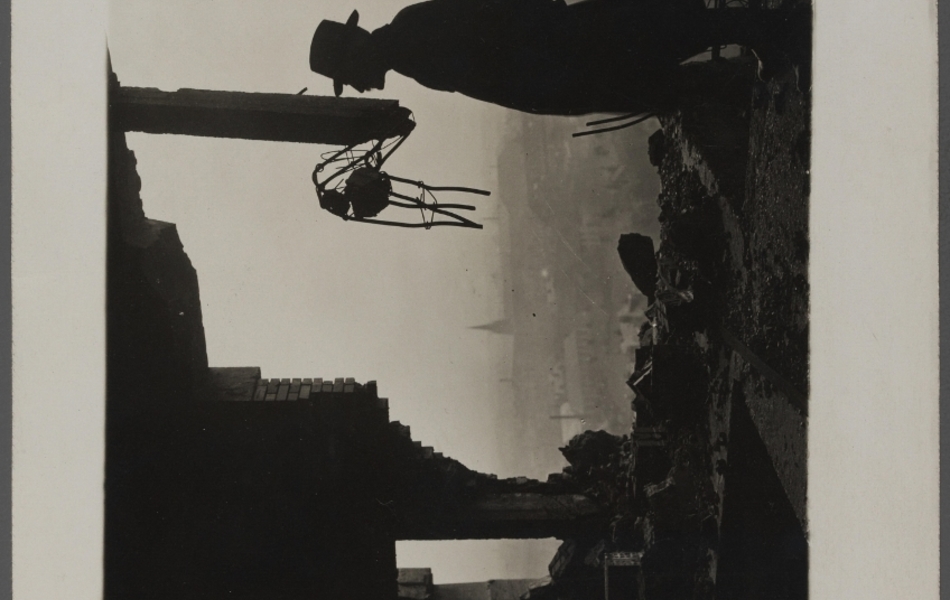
(667, 484)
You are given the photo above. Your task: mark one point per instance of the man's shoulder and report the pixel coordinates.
(462, 7)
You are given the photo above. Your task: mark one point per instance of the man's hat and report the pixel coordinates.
(329, 48)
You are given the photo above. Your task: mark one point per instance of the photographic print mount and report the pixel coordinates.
(699, 478)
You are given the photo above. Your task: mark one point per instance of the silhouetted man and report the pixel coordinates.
(543, 56)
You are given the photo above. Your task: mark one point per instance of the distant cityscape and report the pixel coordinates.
(570, 308)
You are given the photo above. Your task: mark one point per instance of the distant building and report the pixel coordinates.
(502, 326)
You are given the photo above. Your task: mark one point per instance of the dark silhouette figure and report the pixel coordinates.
(544, 56)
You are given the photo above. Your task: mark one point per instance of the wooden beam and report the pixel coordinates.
(505, 516)
(257, 116)
(538, 508)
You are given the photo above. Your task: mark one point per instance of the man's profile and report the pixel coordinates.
(544, 56)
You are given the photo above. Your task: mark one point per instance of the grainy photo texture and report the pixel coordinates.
(459, 299)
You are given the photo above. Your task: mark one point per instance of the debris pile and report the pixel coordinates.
(664, 482)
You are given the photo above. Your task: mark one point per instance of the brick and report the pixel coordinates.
(304, 392)
(348, 388)
(283, 391)
(307, 380)
(327, 386)
(337, 385)
(349, 380)
(260, 392)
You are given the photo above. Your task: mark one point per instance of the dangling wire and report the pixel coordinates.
(643, 117)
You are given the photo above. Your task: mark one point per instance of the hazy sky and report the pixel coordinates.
(298, 292)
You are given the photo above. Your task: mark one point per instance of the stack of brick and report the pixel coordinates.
(414, 448)
(305, 388)
(243, 384)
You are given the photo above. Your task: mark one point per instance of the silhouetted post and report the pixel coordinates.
(257, 116)
(503, 515)
(519, 515)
